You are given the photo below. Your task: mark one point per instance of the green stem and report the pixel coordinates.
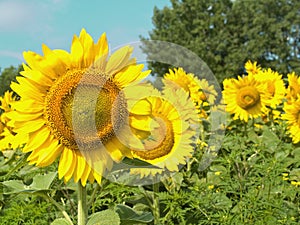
(61, 208)
(82, 205)
(155, 205)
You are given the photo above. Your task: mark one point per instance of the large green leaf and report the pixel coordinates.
(129, 216)
(106, 217)
(39, 183)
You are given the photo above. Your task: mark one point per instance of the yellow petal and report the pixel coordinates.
(76, 53)
(48, 159)
(85, 174)
(88, 45)
(101, 48)
(118, 60)
(141, 107)
(80, 167)
(28, 127)
(27, 93)
(28, 106)
(66, 161)
(37, 139)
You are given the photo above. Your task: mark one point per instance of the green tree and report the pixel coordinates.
(7, 76)
(225, 34)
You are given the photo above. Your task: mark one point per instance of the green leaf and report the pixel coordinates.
(43, 182)
(39, 183)
(129, 216)
(13, 187)
(106, 217)
(270, 139)
(60, 221)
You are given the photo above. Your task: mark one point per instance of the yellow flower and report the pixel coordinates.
(252, 68)
(165, 125)
(72, 106)
(293, 89)
(295, 183)
(199, 90)
(211, 187)
(244, 97)
(275, 86)
(292, 115)
(8, 138)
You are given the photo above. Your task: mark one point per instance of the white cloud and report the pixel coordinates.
(34, 15)
(15, 14)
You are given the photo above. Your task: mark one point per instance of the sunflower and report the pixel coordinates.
(72, 106)
(292, 115)
(245, 97)
(199, 90)
(293, 89)
(275, 86)
(8, 138)
(252, 67)
(166, 126)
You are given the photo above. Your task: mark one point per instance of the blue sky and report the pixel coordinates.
(25, 25)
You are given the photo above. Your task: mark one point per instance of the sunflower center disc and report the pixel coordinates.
(247, 97)
(159, 143)
(86, 103)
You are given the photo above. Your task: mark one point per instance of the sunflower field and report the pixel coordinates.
(87, 138)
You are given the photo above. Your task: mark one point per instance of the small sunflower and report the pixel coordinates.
(292, 115)
(293, 89)
(163, 123)
(199, 90)
(252, 67)
(72, 106)
(245, 97)
(275, 86)
(8, 138)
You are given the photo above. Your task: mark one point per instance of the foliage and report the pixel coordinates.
(7, 76)
(224, 34)
(249, 183)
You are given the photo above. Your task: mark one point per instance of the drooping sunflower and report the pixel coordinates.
(8, 138)
(166, 126)
(292, 115)
(199, 90)
(72, 106)
(252, 67)
(245, 97)
(275, 86)
(293, 89)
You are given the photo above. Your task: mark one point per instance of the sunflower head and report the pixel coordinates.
(244, 97)
(274, 86)
(292, 116)
(72, 106)
(5, 105)
(293, 89)
(162, 123)
(199, 90)
(8, 137)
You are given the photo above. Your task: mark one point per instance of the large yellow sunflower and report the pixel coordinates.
(8, 138)
(165, 125)
(199, 90)
(292, 115)
(275, 86)
(293, 89)
(245, 97)
(72, 106)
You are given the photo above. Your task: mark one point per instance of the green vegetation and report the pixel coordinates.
(225, 34)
